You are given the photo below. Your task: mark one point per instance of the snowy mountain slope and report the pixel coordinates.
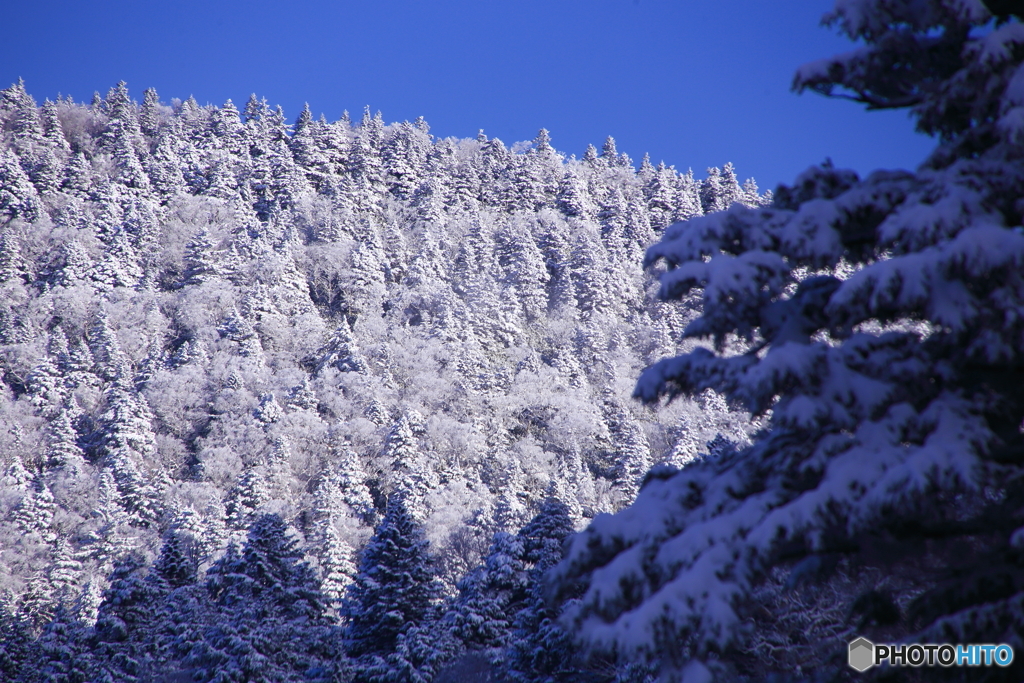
(210, 315)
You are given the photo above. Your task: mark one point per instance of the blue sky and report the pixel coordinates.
(693, 83)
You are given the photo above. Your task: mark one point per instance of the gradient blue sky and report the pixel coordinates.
(693, 83)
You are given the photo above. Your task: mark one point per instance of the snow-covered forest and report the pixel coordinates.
(337, 401)
(251, 367)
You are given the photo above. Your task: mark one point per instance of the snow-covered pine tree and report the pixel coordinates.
(174, 564)
(526, 273)
(609, 153)
(404, 156)
(660, 192)
(183, 612)
(720, 189)
(13, 266)
(64, 572)
(33, 516)
(18, 197)
(491, 595)
(305, 148)
(341, 352)
(894, 391)
(247, 497)
(149, 113)
(15, 640)
(201, 262)
(688, 203)
(541, 649)
(337, 568)
(573, 198)
(632, 449)
(272, 622)
(36, 603)
(111, 540)
(53, 131)
(78, 176)
(87, 604)
(46, 388)
(495, 164)
(395, 589)
(410, 474)
(124, 140)
(164, 166)
(129, 451)
(124, 621)
(26, 127)
(61, 654)
(365, 163)
(352, 487)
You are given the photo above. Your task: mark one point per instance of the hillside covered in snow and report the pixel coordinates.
(223, 333)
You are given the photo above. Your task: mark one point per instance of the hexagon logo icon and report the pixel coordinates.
(862, 654)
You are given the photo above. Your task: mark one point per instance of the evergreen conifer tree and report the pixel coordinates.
(404, 157)
(688, 201)
(15, 640)
(248, 496)
(129, 449)
(526, 273)
(306, 150)
(174, 566)
(541, 649)
(351, 480)
(111, 540)
(394, 590)
(123, 623)
(491, 595)
(18, 197)
(13, 266)
(201, 263)
(660, 190)
(149, 113)
(273, 622)
(61, 654)
(34, 514)
(337, 568)
(884, 431)
(64, 573)
(609, 153)
(47, 391)
(411, 475)
(53, 132)
(36, 603)
(87, 604)
(634, 452)
(342, 351)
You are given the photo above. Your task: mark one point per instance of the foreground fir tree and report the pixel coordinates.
(126, 618)
(272, 623)
(491, 595)
(15, 640)
(505, 615)
(893, 466)
(394, 592)
(62, 654)
(540, 649)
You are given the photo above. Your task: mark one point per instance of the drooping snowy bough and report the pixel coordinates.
(884, 324)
